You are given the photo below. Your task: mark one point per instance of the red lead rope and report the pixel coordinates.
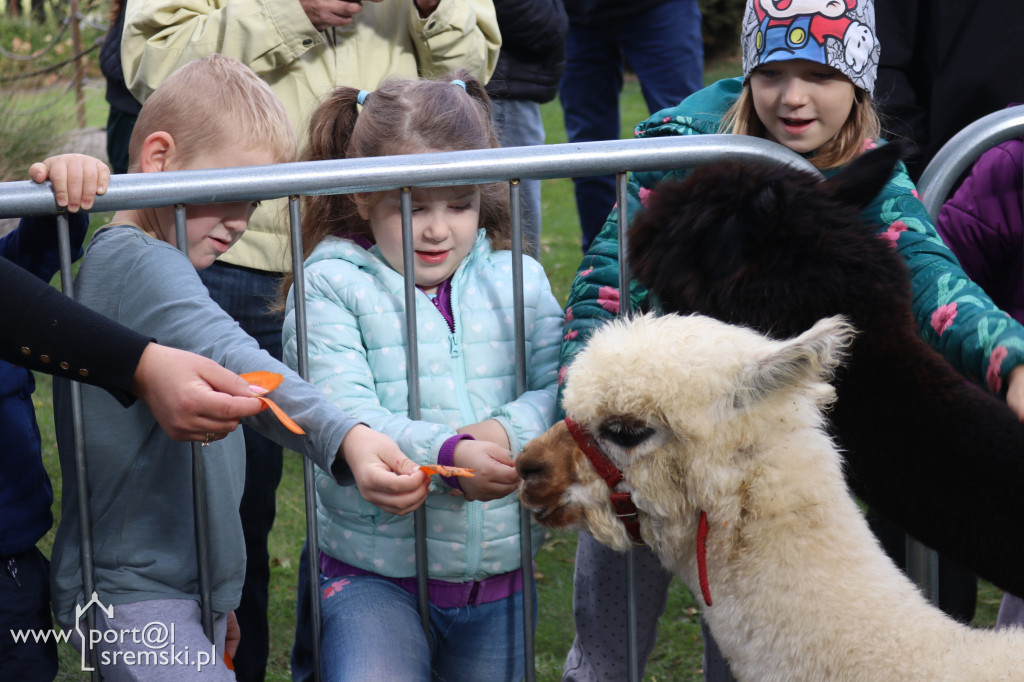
(702, 558)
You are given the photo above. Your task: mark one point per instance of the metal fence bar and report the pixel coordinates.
(81, 469)
(625, 308)
(525, 517)
(200, 514)
(149, 190)
(405, 171)
(960, 152)
(308, 470)
(955, 157)
(412, 359)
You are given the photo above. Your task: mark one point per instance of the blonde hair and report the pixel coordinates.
(211, 104)
(844, 147)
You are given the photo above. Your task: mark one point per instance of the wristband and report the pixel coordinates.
(446, 457)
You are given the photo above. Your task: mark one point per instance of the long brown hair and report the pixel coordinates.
(844, 147)
(402, 116)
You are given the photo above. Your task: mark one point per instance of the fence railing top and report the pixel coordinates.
(144, 190)
(962, 150)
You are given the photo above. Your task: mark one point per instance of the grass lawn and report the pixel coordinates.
(678, 653)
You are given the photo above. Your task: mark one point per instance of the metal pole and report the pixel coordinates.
(200, 508)
(625, 308)
(308, 471)
(525, 516)
(81, 470)
(412, 357)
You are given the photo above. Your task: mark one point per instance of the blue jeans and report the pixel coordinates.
(664, 48)
(372, 633)
(245, 295)
(518, 124)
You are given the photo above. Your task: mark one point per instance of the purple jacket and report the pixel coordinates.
(981, 223)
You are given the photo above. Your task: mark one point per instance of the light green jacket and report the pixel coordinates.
(302, 65)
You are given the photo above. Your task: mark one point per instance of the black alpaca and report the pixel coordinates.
(775, 250)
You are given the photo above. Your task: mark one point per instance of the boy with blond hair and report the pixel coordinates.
(140, 481)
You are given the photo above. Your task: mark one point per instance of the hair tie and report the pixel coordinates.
(361, 97)
(461, 84)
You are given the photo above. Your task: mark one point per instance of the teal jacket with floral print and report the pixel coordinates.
(953, 314)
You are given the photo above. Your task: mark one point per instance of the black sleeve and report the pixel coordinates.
(48, 332)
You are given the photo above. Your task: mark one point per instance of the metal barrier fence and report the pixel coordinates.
(368, 175)
(955, 157)
(438, 169)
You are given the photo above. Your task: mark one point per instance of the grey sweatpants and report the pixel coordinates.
(158, 640)
(599, 652)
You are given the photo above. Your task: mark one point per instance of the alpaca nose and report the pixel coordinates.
(529, 467)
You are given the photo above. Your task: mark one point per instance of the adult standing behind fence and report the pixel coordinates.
(661, 41)
(124, 108)
(946, 63)
(303, 49)
(529, 68)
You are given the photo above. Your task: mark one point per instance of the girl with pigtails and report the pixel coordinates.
(471, 416)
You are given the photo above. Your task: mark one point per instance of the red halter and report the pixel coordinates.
(623, 502)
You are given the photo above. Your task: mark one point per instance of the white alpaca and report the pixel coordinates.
(703, 416)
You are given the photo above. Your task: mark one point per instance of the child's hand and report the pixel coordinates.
(375, 459)
(233, 637)
(76, 178)
(1015, 391)
(494, 473)
(490, 430)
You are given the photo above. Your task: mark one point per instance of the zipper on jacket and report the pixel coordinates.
(474, 510)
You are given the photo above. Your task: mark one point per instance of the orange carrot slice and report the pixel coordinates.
(430, 469)
(270, 381)
(285, 419)
(265, 380)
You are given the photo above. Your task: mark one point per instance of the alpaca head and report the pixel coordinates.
(683, 406)
(770, 247)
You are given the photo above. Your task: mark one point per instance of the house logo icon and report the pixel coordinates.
(80, 611)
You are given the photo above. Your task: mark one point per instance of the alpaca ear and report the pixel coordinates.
(860, 182)
(809, 358)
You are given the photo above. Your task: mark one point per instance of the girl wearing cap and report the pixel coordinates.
(809, 69)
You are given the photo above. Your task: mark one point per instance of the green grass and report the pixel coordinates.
(677, 655)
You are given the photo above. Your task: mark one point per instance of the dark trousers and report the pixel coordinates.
(25, 605)
(663, 47)
(119, 131)
(245, 295)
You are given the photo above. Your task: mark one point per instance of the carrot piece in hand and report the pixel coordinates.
(285, 419)
(265, 380)
(430, 469)
(270, 381)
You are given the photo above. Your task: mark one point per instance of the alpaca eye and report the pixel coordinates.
(626, 433)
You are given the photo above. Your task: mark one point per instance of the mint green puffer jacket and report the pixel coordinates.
(356, 327)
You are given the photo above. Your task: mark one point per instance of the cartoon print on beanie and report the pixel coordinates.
(839, 33)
